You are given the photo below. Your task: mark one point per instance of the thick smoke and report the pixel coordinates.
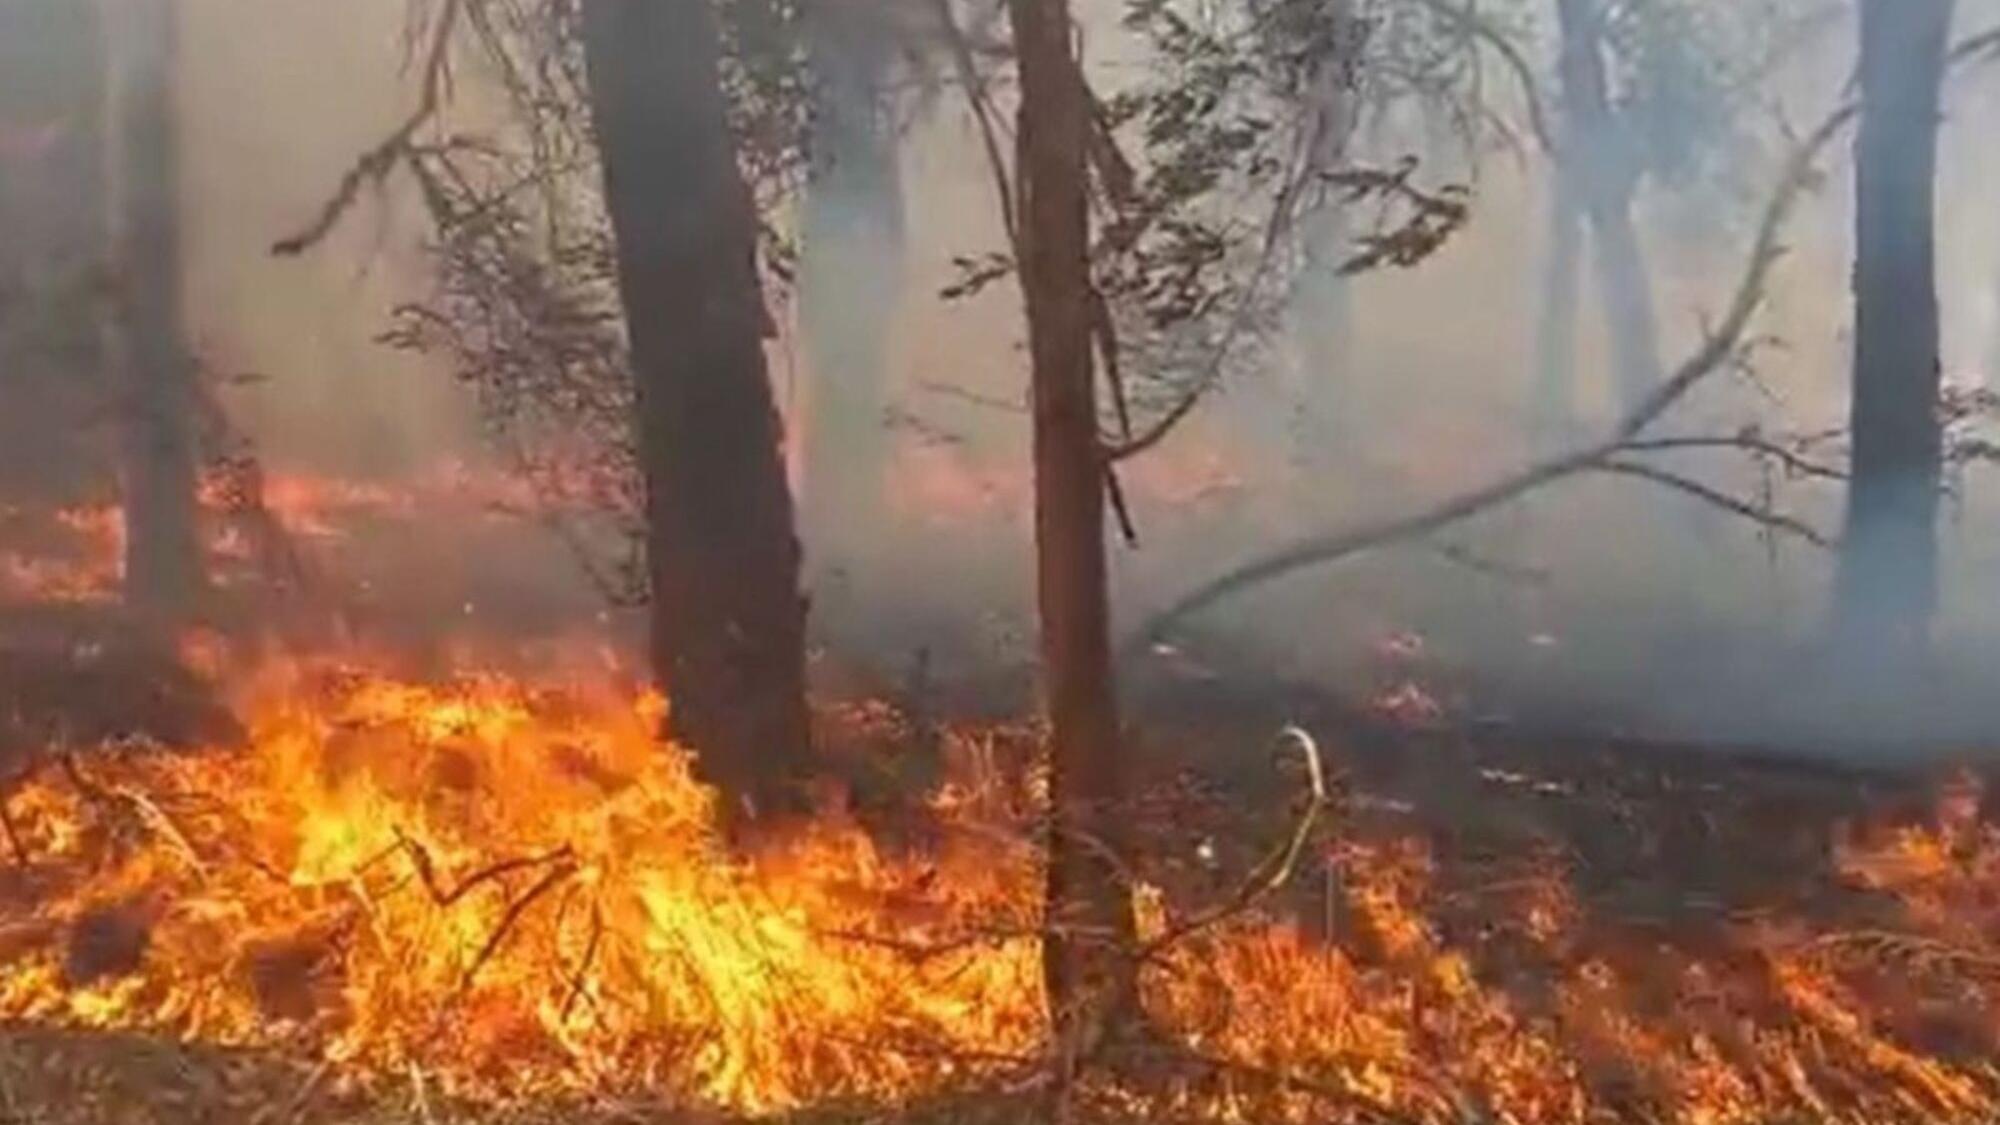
(1597, 602)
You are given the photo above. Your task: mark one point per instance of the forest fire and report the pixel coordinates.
(654, 627)
(517, 892)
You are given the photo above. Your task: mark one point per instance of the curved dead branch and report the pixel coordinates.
(1277, 868)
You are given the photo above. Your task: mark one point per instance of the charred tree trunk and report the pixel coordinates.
(1887, 587)
(1089, 975)
(1599, 159)
(850, 279)
(728, 620)
(144, 339)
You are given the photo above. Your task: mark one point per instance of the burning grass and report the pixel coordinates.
(514, 894)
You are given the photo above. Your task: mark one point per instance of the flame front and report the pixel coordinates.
(521, 892)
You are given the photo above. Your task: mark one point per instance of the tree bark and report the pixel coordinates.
(145, 343)
(1089, 975)
(728, 620)
(851, 275)
(1887, 585)
(1599, 157)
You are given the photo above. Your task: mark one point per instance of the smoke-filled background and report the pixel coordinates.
(1597, 602)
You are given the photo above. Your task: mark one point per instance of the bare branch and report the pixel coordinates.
(1468, 19)
(982, 115)
(375, 165)
(1776, 521)
(1790, 458)
(1716, 349)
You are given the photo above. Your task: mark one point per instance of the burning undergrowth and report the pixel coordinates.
(507, 887)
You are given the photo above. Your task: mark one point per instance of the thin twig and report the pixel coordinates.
(982, 115)
(1777, 521)
(375, 165)
(1276, 869)
(1789, 458)
(427, 870)
(583, 965)
(507, 920)
(1510, 53)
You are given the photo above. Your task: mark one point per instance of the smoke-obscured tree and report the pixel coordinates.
(1887, 588)
(52, 75)
(146, 347)
(1601, 170)
(1648, 94)
(851, 250)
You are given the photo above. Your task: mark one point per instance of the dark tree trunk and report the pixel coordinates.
(850, 281)
(728, 620)
(1599, 157)
(144, 339)
(1089, 975)
(1887, 588)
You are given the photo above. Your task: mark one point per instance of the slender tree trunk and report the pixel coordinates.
(144, 339)
(728, 620)
(1628, 298)
(1089, 977)
(851, 276)
(1887, 587)
(1323, 298)
(1599, 155)
(1554, 399)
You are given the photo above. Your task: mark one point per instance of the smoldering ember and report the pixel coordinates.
(1406, 562)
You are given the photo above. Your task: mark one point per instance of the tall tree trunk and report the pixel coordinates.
(851, 275)
(144, 339)
(1628, 296)
(1553, 405)
(1598, 154)
(728, 620)
(1088, 974)
(1887, 586)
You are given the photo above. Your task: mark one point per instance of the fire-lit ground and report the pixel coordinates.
(480, 889)
(492, 892)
